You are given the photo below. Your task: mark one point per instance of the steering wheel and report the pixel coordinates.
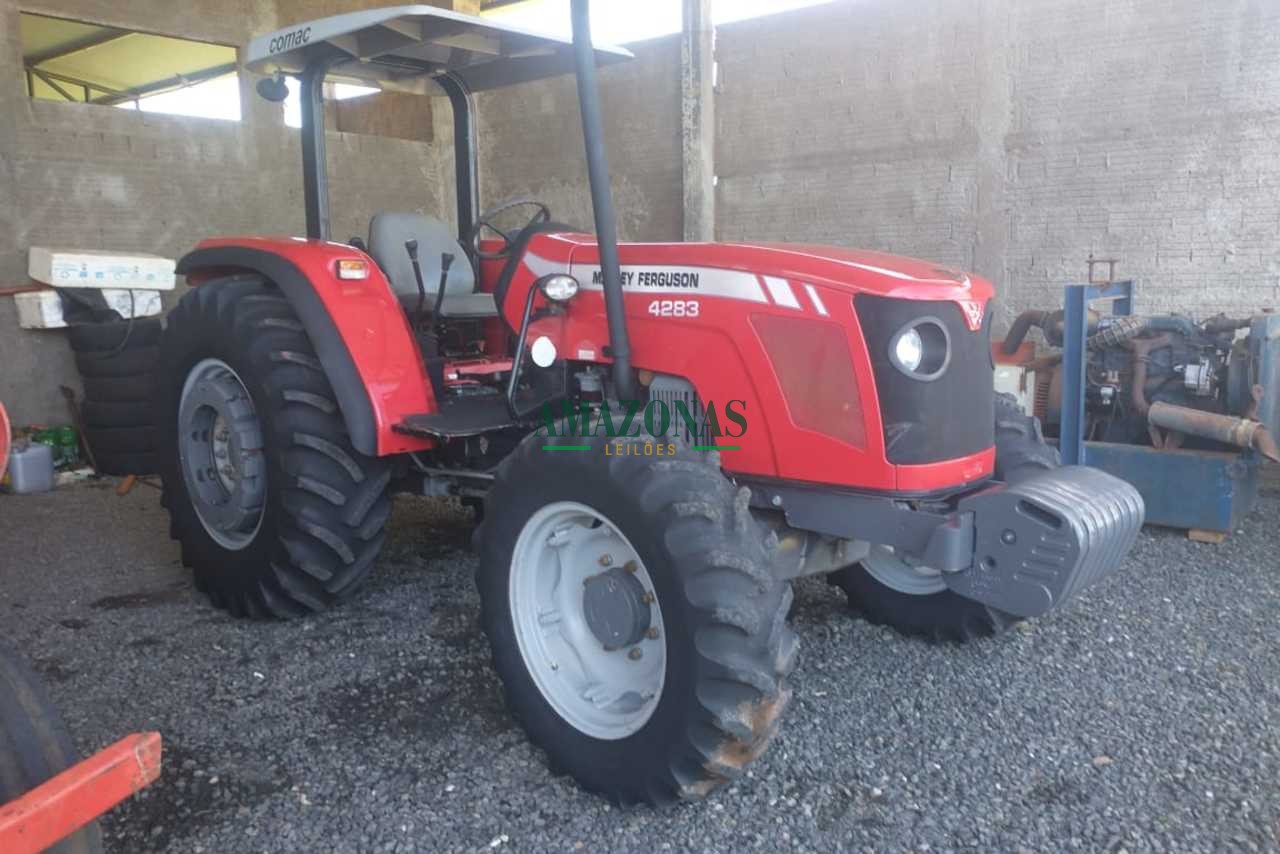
(485, 220)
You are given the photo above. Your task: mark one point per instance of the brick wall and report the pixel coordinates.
(103, 178)
(1015, 138)
(531, 144)
(1009, 137)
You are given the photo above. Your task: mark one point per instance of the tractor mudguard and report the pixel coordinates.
(358, 329)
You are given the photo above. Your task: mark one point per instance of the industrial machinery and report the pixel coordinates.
(663, 435)
(1186, 410)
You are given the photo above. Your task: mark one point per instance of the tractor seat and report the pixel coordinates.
(388, 233)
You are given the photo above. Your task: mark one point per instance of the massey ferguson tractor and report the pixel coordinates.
(658, 437)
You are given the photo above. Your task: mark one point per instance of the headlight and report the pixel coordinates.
(921, 349)
(559, 287)
(908, 350)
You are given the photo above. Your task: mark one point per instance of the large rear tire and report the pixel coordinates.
(34, 745)
(277, 514)
(639, 635)
(890, 591)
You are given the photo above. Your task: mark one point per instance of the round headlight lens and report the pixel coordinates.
(560, 287)
(921, 349)
(908, 350)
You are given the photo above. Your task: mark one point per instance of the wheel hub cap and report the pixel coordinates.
(221, 452)
(615, 608)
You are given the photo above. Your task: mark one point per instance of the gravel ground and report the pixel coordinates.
(1142, 717)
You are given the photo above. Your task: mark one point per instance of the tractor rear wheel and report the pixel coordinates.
(889, 590)
(639, 635)
(277, 514)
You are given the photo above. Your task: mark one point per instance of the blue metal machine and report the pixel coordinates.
(1201, 468)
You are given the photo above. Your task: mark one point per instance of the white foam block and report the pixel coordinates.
(77, 268)
(43, 309)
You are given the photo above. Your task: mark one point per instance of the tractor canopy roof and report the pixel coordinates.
(402, 47)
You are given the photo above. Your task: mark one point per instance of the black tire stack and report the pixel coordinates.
(117, 364)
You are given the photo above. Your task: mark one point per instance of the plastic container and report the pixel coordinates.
(31, 469)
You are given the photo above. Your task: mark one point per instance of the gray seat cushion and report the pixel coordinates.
(388, 233)
(469, 305)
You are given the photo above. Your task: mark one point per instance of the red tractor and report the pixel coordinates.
(659, 437)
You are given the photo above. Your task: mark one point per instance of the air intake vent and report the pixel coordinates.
(677, 390)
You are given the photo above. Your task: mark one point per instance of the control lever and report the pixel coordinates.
(411, 246)
(446, 261)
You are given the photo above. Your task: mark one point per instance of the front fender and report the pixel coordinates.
(359, 330)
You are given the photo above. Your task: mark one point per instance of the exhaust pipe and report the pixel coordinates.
(602, 200)
(1240, 432)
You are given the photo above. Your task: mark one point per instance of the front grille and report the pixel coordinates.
(928, 422)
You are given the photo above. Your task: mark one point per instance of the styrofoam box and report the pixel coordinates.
(43, 309)
(76, 268)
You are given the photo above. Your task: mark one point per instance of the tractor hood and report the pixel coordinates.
(744, 269)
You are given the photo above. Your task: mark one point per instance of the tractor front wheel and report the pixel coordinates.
(639, 635)
(890, 590)
(277, 514)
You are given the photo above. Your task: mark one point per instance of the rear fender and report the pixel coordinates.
(359, 331)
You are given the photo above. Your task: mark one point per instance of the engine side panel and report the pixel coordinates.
(369, 321)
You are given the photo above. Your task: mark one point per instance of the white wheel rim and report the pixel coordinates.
(605, 693)
(898, 574)
(222, 462)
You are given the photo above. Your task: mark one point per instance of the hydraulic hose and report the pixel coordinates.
(602, 200)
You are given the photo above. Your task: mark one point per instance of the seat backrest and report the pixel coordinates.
(387, 235)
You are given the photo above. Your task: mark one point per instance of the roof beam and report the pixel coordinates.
(107, 34)
(179, 81)
(53, 84)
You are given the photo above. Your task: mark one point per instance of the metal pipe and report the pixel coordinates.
(1240, 432)
(315, 173)
(602, 200)
(465, 157)
(1142, 348)
(1021, 326)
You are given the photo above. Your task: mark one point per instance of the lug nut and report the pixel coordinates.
(635, 654)
(647, 598)
(652, 634)
(606, 560)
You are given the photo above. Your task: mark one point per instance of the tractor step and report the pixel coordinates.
(460, 417)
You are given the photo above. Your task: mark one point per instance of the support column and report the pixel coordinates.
(698, 120)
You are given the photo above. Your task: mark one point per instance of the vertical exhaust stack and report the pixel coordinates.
(602, 199)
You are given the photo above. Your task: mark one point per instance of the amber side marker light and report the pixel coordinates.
(353, 268)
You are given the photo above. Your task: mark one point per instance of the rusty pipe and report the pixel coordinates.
(1142, 348)
(1240, 432)
(1021, 326)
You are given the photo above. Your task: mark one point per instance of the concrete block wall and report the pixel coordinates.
(1147, 130)
(531, 144)
(1012, 138)
(105, 178)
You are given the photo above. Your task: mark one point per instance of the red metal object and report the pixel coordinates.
(373, 325)
(6, 433)
(1025, 353)
(722, 354)
(68, 802)
(717, 349)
